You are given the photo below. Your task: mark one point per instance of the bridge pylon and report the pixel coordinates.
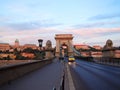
(63, 41)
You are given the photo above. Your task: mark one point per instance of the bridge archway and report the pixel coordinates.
(63, 41)
(64, 48)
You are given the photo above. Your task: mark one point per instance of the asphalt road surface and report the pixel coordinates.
(92, 76)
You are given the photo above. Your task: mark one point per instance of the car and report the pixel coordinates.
(71, 59)
(61, 58)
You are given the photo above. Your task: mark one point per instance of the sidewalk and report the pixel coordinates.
(45, 78)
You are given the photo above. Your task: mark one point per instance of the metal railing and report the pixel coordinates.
(108, 60)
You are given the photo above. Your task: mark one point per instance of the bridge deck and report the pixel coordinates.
(42, 79)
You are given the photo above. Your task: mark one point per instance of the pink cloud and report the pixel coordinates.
(9, 35)
(91, 32)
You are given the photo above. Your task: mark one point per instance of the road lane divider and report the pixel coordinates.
(69, 85)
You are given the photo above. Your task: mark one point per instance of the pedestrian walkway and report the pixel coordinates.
(45, 78)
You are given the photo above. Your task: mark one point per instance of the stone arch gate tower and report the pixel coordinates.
(63, 42)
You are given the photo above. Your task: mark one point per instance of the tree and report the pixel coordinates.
(28, 50)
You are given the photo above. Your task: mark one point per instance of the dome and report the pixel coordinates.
(16, 40)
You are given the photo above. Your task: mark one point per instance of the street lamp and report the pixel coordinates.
(40, 43)
(61, 51)
(61, 56)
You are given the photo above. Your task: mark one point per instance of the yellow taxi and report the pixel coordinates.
(71, 59)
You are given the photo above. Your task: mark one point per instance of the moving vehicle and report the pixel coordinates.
(71, 59)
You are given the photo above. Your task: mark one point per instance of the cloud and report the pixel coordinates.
(9, 35)
(32, 25)
(94, 32)
(116, 42)
(29, 32)
(96, 36)
(105, 16)
(96, 24)
(10, 32)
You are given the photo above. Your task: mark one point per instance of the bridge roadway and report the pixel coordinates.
(92, 76)
(86, 76)
(45, 78)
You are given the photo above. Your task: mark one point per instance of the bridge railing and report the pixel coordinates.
(89, 59)
(108, 60)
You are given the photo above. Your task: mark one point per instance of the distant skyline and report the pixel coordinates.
(90, 21)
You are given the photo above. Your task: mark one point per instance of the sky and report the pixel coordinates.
(91, 22)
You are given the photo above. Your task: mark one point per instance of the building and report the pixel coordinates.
(22, 47)
(4, 55)
(28, 55)
(33, 46)
(8, 50)
(81, 46)
(96, 54)
(4, 46)
(97, 47)
(117, 54)
(83, 49)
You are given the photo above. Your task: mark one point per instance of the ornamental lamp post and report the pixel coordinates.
(60, 53)
(40, 43)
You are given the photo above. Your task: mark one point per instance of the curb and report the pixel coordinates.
(69, 80)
